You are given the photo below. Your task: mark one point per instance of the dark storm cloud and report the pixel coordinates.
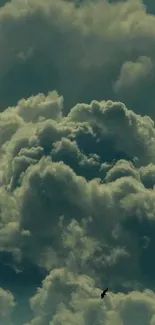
(3, 2)
(84, 52)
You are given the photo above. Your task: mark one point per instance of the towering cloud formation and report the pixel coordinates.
(77, 164)
(77, 193)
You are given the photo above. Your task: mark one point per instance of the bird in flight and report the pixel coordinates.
(104, 293)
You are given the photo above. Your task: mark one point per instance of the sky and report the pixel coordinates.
(77, 162)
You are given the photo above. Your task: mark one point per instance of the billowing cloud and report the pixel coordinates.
(77, 162)
(7, 304)
(68, 299)
(77, 191)
(135, 77)
(90, 51)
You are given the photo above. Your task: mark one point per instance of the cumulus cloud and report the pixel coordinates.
(7, 304)
(77, 162)
(75, 301)
(68, 202)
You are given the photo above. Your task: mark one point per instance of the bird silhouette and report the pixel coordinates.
(103, 294)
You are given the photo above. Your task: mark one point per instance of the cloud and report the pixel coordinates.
(84, 52)
(68, 202)
(77, 157)
(54, 172)
(147, 175)
(7, 304)
(127, 134)
(135, 77)
(75, 300)
(121, 169)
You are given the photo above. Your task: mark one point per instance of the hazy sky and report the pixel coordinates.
(77, 162)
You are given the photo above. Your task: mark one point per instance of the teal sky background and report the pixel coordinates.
(77, 162)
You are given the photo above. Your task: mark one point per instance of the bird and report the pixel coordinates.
(104, 293)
